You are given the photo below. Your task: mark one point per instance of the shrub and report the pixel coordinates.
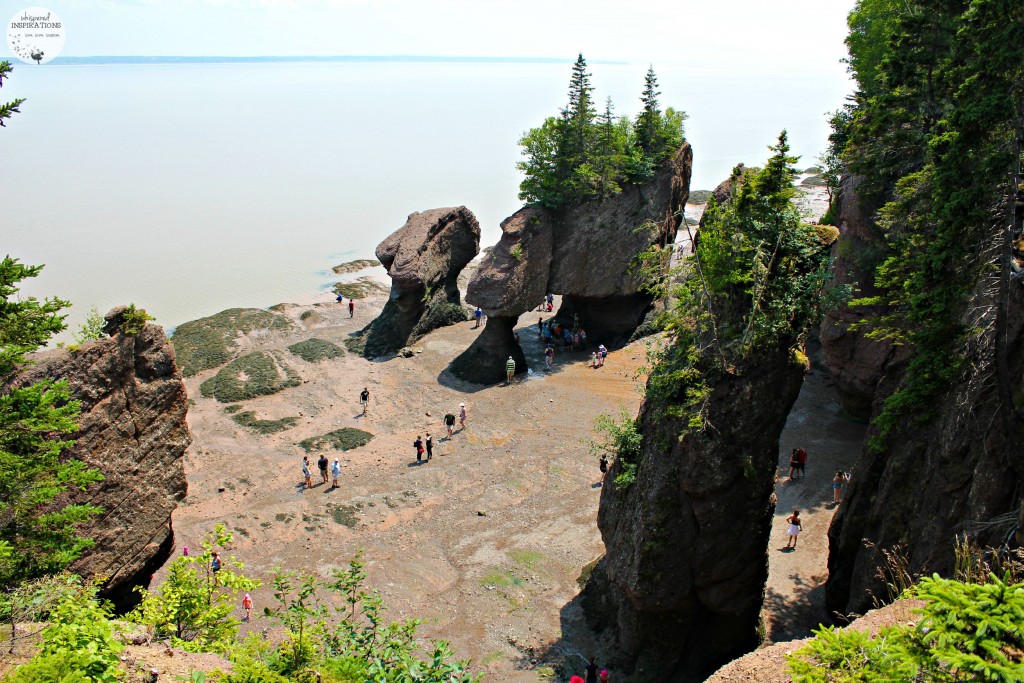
(209, 342)
(248, 419)
(314, 350)
(254, 374)
(133, 320)
(92, 328)
(344, 439)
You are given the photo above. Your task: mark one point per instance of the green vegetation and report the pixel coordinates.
(133, 320)
(209, 342)
(968, 632)
(254, 374)
(622, 440)
(248, 419)
(699, 197)
(92, 328)
(356, 343)
(315, 350)
(194, 605)
(360, 289)
(581, 154)
(936, 130)
(344, 439)
(355, 266)
(36, 537)
(12, 107)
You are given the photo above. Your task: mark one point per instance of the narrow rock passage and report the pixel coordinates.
(795, 595)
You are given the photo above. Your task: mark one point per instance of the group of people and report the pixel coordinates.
(351, 304)
(425, 447)
(554, 333)
(797, 470)
(322, 464)
(591, 675)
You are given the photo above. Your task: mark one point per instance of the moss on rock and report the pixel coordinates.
(314, 350)
(344, 439)
(254, 374)
(209, 342)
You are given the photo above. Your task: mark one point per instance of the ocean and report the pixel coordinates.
(191, 186)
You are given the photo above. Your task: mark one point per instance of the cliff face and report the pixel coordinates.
(585, 252)
(424, 258)
(855, 362)
(960, 473)
(132, 428)
(679, 590)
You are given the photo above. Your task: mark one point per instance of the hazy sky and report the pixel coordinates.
(755, 34)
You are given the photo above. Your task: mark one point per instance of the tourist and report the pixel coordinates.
(462, 415)
(602, 353)
(575, 679)
(549, 357)
(510, 369)
(364, 398)
(449, 422)
(351, 307)
(429, 443)
(583, 338)
(335, 472)
(215, 566)
(593, 359)
(247, 606)
(322, 463)
(306, 474)
(551, 301)
(604, 676)
(603, 464)
(591, 671)
(794, 465)
(418, 445)
(794, 529)
(837, 487)
(340, 299)
(478, 314)
(801, 460)
(540, 327)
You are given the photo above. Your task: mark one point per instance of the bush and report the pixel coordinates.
(133, 320)
(248, 419)
(314, 350)
(209, 342)
(254, 374)
(92, 328)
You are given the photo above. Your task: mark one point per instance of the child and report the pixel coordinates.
(794, 529)
(247, 606)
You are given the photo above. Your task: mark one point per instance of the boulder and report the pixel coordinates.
(133, 429)
(679, 590)
(424, 258)
(855, 362)
(584, 251)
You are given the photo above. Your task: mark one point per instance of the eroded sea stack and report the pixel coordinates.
(584, 251)
(959, 473)
(132, 428)
(424, 258)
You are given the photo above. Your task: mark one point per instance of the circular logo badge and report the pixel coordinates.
(35, 35)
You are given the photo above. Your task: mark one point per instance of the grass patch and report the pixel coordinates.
(501, 578)
(355, 266)
(306, 315)
(315, 350)
(254, 374)
(248, 419)
(232, 408)
(284, 517)
(344, 439)
(585, 573)
(345, 515)
(526, 558)
(356, 343)
(359, 289)
(210, 342)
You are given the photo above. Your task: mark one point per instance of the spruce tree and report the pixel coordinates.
(12, 107)
(649, 120)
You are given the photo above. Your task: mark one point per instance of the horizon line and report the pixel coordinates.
(213, 59)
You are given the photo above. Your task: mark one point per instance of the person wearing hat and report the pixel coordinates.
(510, 369)
(462, 415)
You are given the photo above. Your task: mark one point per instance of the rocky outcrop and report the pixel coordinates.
(960, 473)
(679, 590)
(132, 428)
(424, 258)
(855, 362)
(583, 251)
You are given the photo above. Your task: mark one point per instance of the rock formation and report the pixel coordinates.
(679, 590)
(132, 427)
(583, 251)
(855, 362)
(424, 258)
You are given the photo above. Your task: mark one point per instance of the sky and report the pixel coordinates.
(805, 35)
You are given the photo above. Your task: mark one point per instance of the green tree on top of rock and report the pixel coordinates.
(581, 154)
(36, 536)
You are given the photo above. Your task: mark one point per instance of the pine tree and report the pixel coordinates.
(12, 107)
(649, 120)
(609, 153)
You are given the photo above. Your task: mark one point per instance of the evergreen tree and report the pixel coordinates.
(12, 107)
(610, 153)
(38, 535)
(577, 136)
(648, 121)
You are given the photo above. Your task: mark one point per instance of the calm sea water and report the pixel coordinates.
(190, 188)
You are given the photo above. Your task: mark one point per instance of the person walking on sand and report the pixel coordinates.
(837, 487)
(478, 314)
(602, 353)
(801, 461)
(794, 529)
(510, 369)
(462, 415)
(449, 422)
(794, 465)
(351, 307)
(335, 472)
(364, 398)
(429, 443)
(418, 445)
(549, 357)
(247, 606)
(306, 474)
(322, 463)
(540, 327)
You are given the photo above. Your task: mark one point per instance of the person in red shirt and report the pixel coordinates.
(801, 460)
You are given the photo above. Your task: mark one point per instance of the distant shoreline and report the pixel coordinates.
(269, 59)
